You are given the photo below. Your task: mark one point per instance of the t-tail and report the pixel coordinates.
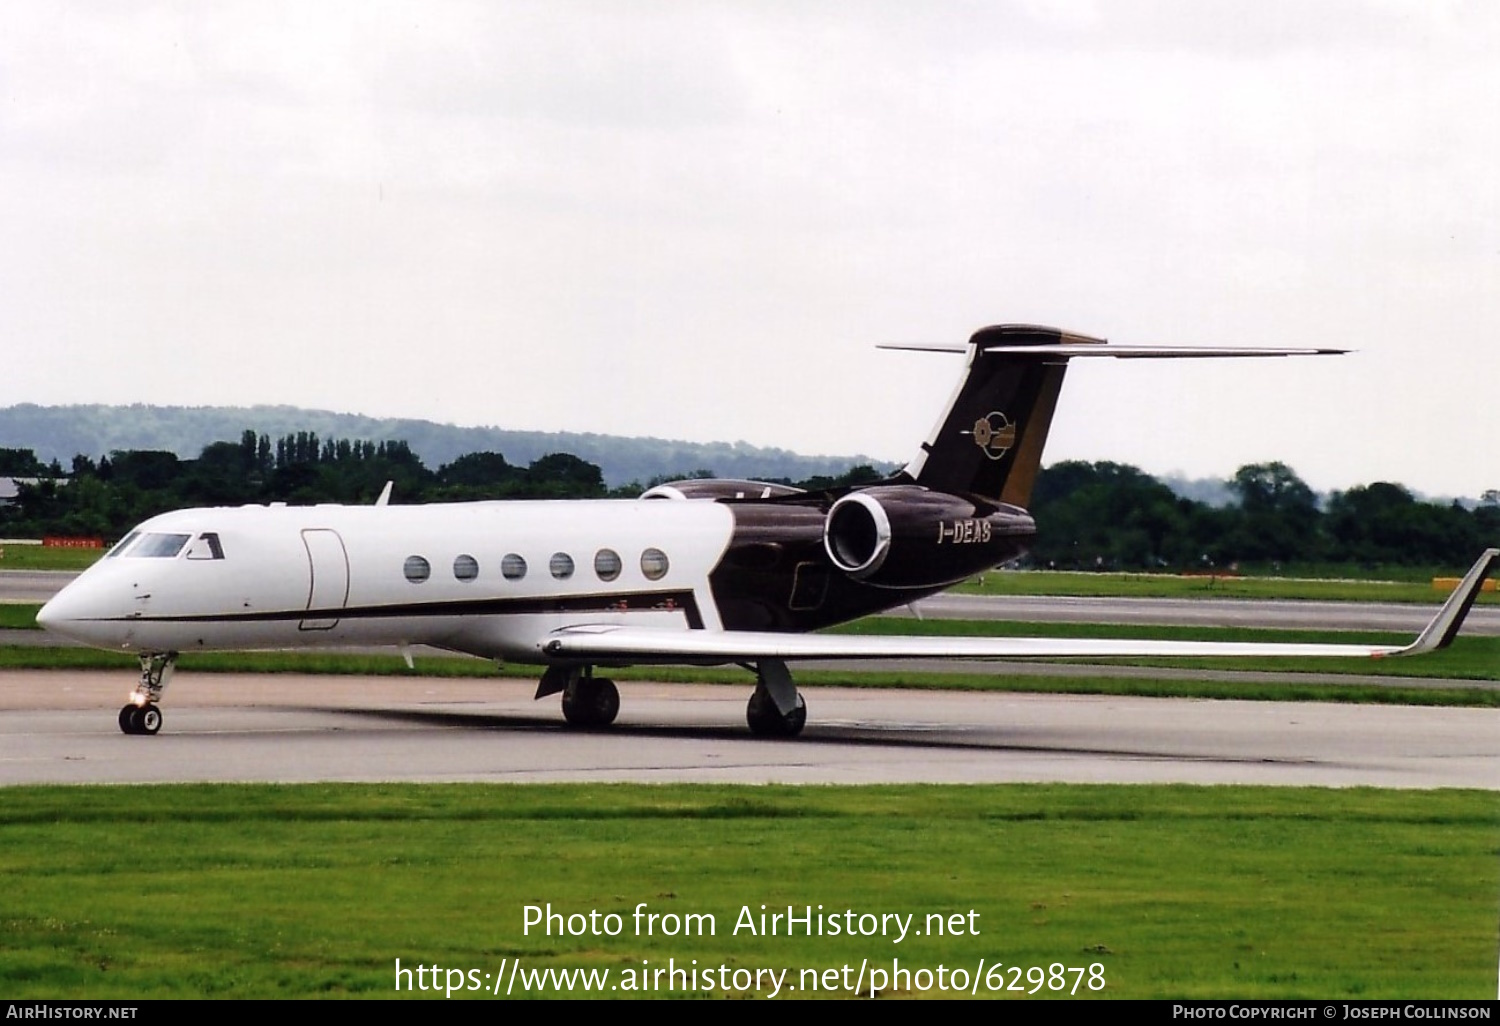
(989, 440)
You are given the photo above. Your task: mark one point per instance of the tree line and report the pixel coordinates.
(1089, 515)
(105, 498)
(1115, 516)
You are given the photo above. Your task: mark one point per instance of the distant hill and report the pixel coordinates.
(61, 432)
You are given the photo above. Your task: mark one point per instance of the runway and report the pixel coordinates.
(58, 727)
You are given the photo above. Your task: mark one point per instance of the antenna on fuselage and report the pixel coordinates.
(385, 494)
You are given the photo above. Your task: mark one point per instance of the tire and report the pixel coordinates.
(606, 702)
(592, 702)
(149, 721)
(127, 719)
(765, 719)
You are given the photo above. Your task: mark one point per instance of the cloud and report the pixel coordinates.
(694, 220)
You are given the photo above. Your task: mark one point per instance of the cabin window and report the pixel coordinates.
(561, 565)
(466, 568)
(159, 546)
(123, 544)
(654, 564)
(206, 547)
(512, 567)
(607, 564)
(417, 569)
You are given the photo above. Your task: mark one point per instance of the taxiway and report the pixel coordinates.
(58, 727)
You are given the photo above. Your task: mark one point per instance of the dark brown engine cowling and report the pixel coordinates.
(904, 536)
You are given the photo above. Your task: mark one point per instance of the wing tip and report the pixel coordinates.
(1443, 627)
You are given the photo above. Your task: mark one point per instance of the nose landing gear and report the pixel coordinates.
(142, 714)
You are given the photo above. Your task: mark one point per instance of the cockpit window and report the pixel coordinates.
(123, 544)
(206, 547)
(158, 546)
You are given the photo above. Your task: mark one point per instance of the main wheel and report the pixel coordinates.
(765, 719)
(592, 702)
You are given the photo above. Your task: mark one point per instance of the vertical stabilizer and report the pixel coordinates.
(989, 440)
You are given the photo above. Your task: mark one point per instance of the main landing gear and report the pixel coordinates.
(588, 702)
(776, 708)
(142, 714)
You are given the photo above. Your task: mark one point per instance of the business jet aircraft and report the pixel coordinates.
(701, 572)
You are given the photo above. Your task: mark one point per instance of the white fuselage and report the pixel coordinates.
(489, 578)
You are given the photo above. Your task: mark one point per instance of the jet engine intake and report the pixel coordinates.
(906, 536)
(857, 535)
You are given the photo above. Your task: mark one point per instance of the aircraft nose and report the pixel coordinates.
(69, 614)
(59, 613)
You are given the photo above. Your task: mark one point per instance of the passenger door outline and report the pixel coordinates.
(327, 577)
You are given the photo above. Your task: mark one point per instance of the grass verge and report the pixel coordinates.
(1082, 681)
(19, 616)
(316, 890)
(42, 557)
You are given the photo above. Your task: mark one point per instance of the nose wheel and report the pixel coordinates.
(142, 714)
(140, 719)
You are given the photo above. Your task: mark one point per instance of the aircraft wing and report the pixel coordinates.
(611, 642)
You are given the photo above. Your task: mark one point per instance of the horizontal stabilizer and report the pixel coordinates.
(1157, 352)
(1125, 352)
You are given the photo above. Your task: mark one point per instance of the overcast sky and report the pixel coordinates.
(695, 220)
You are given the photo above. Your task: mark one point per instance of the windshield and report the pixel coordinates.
(157, 546)
(124, 544)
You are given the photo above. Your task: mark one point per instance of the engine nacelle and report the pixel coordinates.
(904, 536)
(718, 488)
(857, 535)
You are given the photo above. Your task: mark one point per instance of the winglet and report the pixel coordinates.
(1440, 632)
(385, 494)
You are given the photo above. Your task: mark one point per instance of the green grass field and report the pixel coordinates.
(302, 891)
(41, 557)
(19, 615)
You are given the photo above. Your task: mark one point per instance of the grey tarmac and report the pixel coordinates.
(58, 727)
(33, 585)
